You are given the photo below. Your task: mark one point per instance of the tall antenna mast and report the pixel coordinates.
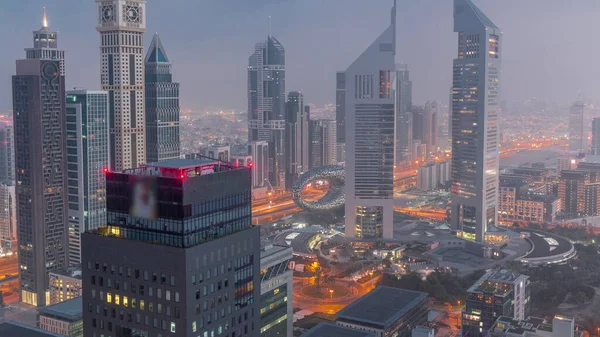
(269, 26)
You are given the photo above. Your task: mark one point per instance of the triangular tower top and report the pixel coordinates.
(156, 52)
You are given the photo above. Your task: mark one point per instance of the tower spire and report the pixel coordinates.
(394, 14)
(269, 26)
(44, 18)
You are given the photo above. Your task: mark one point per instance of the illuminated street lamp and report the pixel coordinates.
(331, 293)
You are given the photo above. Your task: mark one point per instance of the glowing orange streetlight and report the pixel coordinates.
(331, 293)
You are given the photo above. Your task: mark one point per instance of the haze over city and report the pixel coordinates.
(299, 168)
(548, 51)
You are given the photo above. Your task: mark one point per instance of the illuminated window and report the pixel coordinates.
(173, 327)
(142, 306)
(117, 299)
(276, 291)
(125, 301)
(109, 297)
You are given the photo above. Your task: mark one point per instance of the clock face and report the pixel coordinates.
(49, 70)
(107, 13)
(132, 14)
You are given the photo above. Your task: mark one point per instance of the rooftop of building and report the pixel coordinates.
(73, 272)
(334, 330)
(268, 249)
(512, 183)
(382, 306)
(70, 310)
(16, 329)
(182, 168)
(545, 244)
(529, 327)
(497, 281)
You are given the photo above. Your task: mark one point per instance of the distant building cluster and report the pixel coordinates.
(433, 175)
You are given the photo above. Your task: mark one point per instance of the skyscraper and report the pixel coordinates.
(369, 137)
(596, 136)
(178, 256)
(296, 137)
(162, 106)
(403, 114)
(8, 229)
(40, 164)
(87, 161)
(476, 83)
(276, 291)
(122, 24)
(7, 153)
(322, 142)
(577, 137)
(340, 115)
(425, 126)
(266, 103)
(260, 162)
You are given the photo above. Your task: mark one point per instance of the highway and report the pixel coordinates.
(275, 207)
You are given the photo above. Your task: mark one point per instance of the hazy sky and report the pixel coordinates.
(550, 47)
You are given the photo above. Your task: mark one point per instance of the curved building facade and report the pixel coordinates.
(333, 199)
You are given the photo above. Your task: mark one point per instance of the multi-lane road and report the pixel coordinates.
(275, 207)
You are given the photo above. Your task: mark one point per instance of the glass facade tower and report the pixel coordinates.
(40, 165)
(369, 123)
(162, 106)
(476, 84)
(178, 255)
(266, 104)
(87, 161)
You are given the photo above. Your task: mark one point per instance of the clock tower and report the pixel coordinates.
(122, 24)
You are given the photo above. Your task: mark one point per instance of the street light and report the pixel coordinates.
(331, 293)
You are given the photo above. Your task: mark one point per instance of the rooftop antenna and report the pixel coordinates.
(269, 26)
(44, 18)
(394, 14)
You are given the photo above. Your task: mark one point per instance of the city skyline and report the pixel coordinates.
(428, 70)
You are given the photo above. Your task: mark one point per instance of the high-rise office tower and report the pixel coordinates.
(425, 126)
(260, 163)
(87, 161)
(40, 164)
(340, 114)
(369, 138)
(162, 106)
(7, 151)
(572, 192)
(577, 138)
(322, 142)
(178, 256)
(122, 24)
(596, 136)
(297, 117)
(276, 290)
(403, 114)
(8, 230)
(497, 293)
(266, 103)
(476, 82)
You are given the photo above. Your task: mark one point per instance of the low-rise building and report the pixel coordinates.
(16, 329)
(276, 311)
(64, 284)
(334, 330)
(386, 311)
(561, 326)
(423, 331)
(65, 318)
(517, 203)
